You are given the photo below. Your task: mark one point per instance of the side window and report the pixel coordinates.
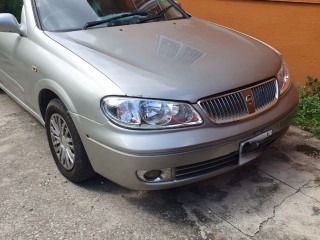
(12, 6)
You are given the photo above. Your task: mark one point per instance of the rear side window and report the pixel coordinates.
(12, 6)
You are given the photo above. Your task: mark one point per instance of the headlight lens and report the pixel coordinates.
(283, 78)
(149, 114)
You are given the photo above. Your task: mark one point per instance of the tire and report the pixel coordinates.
(65, 143)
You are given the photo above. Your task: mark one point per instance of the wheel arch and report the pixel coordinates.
(48, 90)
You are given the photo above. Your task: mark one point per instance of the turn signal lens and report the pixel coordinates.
(283, 78)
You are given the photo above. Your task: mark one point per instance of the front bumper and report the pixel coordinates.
(118, 153)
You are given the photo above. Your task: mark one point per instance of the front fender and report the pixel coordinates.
(48, 84)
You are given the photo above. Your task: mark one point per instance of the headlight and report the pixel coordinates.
(149, 114)
(283, 78)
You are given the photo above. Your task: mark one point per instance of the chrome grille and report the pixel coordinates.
(264, 94)
(241, 104)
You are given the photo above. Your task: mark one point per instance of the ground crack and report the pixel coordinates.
(308, 187)
(304, 186)
(278, 205)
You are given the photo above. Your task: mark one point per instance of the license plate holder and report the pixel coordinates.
(249, 149)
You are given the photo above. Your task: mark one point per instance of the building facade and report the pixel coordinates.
(292, 27)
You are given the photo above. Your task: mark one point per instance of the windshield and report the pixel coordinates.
(71, 15)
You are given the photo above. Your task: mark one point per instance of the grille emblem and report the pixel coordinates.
(249, 99)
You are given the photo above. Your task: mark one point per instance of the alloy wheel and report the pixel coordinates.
(62, 141)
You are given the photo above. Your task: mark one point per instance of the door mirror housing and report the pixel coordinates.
(8, 23)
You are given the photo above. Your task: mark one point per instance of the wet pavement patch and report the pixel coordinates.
(276, 153)
(257, 178)
(316, 211)
(304, 168)
(283, 157)
(244, 172)
(308, 150)
(250, 172)
(200, 216)
(210, 192)
(268, 191)
(265, 193)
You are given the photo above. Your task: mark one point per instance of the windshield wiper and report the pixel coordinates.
(125, 15)
(157, 15)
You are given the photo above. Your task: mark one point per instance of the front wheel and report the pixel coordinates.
(65, 143)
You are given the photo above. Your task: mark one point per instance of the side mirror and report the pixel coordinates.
(8, 23)
(177, 2)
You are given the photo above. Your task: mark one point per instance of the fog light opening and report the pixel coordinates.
(152, 175)
(155, 175)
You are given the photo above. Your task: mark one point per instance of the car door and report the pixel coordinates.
(13, 60)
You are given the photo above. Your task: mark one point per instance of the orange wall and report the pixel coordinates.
(292, 28)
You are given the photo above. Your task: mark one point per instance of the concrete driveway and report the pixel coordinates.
(275, 197)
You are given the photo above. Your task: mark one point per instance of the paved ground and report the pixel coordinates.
(276, 197)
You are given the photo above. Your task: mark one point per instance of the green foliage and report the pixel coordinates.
(12, 6)
(308, 116)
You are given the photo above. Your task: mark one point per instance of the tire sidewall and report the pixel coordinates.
(81, 162)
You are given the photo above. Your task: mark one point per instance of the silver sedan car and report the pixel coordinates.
(141, 92)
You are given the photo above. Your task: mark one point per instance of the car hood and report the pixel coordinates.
(180, 60)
